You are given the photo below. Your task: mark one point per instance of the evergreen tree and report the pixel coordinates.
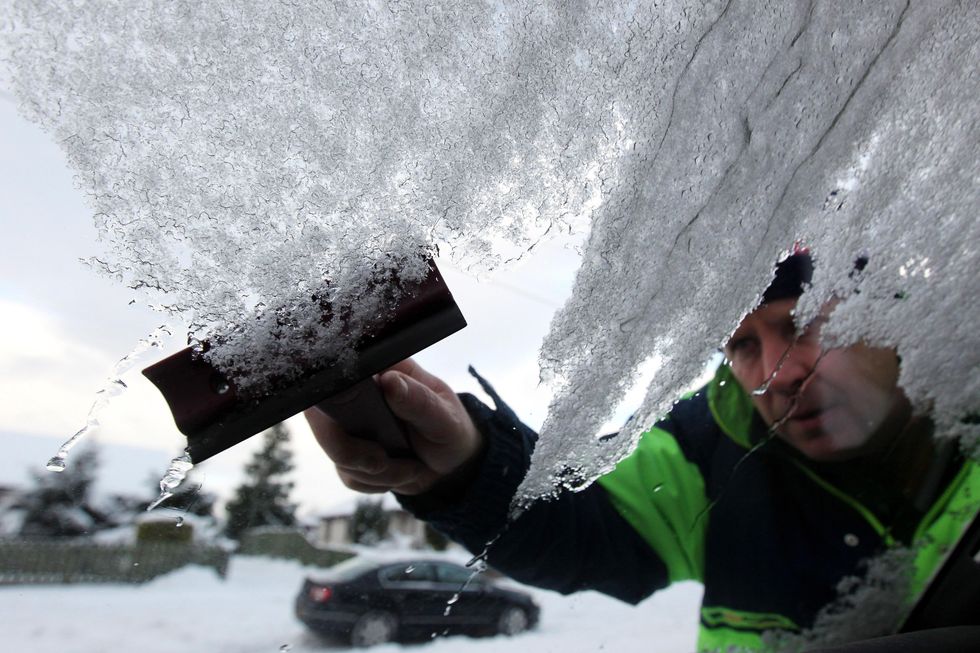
(369, 523)
(263, 499)
(59, 504)
(435, 539)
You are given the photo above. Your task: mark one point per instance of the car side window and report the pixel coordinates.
(407, 573)
(453, 575)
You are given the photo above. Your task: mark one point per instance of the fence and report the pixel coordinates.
(45, 561)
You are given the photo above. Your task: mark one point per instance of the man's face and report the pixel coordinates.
(832, 404)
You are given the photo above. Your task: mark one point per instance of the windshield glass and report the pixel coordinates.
(716, 262)
(351, 569)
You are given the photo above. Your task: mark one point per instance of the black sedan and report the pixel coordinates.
(371, 602)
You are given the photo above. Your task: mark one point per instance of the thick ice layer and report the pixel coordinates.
(850, 127)
(238, 156)
(867, 606)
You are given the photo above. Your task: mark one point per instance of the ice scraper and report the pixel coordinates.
(214, 415)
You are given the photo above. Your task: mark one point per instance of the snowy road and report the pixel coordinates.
(193, 611)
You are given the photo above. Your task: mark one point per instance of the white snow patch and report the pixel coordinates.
(251, 612)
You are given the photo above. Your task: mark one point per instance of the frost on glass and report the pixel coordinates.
(238, 156)
(867, 606)
(850, 128)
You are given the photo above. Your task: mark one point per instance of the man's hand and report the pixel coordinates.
(440, 430)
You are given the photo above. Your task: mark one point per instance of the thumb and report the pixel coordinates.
(433, 417)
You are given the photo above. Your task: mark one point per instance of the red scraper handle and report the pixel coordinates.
(363, 412)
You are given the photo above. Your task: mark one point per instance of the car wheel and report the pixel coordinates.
(373, 628)
(512, 621)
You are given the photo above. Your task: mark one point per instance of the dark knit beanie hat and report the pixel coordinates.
(792, 273)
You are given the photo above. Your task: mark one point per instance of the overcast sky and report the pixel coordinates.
(64, 327)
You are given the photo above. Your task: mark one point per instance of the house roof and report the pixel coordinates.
(388, 503)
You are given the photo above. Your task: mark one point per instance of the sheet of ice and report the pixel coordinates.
(867, 606)
(238, 156)
(850, 127)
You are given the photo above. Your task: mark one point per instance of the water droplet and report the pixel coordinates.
(409, 569)
(449, 604)
(658, 487)
(285, 647)
(179, 522)
(722, 383)
(136, 564)
(56, 464)
(176, 473)
(850, 539)
(160, 499)
(113, 387)
(222, 388)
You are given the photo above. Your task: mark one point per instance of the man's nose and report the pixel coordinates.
(790, 362)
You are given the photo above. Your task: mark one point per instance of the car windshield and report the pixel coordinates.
(287, 198)
(351, 569)
(408, 572)
(453, 575)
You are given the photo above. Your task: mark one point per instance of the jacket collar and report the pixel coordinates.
(731, 406)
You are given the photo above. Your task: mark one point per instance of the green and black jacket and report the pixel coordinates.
(767, 533)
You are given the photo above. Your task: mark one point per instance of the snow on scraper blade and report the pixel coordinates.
(215, 416)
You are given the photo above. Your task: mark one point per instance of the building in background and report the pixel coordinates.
(336, 526)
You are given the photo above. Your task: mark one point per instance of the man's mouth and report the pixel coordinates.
(807, 413)
(808, 417)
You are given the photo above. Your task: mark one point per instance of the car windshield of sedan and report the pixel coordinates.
(351, 568)
(717, 265)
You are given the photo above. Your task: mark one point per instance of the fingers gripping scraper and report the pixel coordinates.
(215, 416)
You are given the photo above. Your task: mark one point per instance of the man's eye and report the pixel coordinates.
(741, 347)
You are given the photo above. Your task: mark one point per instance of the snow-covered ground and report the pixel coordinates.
(192, 610)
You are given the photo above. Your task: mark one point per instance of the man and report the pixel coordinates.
(769, 485)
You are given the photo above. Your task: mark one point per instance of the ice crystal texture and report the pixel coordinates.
(237, 155)
(868, 605)
(850, 127)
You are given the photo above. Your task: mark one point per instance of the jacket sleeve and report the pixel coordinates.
(575, 541)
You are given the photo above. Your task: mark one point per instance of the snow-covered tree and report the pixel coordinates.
(435, 539)
(60, 504)
(263, 499)
(369, 523)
